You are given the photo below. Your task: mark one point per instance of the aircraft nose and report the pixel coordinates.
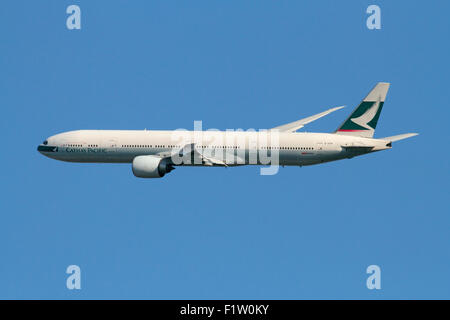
(40, 148)
(45, 148)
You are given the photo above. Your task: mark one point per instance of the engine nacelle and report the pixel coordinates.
(150, 167)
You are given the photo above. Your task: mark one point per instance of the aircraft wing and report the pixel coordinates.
(213, 161)
(191, 149)
(294, 126)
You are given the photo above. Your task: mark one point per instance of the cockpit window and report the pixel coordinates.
(45, 142)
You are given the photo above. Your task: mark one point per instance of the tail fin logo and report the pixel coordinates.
(364, 120)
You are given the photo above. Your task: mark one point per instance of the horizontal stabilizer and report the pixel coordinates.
(294, 126)
(399, 137)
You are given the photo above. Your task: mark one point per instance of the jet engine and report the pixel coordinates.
(150, 167)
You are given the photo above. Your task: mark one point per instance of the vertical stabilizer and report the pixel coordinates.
(363, 120)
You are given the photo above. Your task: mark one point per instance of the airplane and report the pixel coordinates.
(153, 153)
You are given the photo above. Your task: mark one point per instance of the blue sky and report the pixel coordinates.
(216, 233)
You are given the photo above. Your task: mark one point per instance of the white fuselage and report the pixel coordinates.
(233, 148)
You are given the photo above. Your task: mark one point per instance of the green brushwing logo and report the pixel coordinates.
(365, 117)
